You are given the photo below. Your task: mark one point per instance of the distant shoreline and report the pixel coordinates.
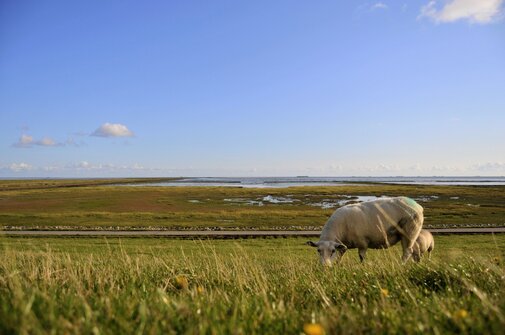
(247, 182)
(279, 182)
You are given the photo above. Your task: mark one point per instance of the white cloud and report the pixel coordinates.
(137, 166)
(82, 165)
(113, 130)
(85, 165)
(496, 167)
(379, 5)
(475, 11)
(89, 169)
(27, 141)
(47, 142)
(51, 168)
(80, 169)
(17, 167)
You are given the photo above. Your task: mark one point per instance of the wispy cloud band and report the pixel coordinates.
(86, 168)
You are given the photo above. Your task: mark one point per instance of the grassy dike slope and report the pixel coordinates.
(270, 286)
(127, 207)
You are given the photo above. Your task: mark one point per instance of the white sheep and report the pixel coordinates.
(424, 243)
(374, 224)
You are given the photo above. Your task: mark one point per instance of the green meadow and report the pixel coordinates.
(99, 204)
(260, 286)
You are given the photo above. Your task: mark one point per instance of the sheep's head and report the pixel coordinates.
(329, 251)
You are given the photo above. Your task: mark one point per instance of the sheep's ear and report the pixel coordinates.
(340, 247)
(312, 244)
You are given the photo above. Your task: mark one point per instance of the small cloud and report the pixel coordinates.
(71, 142)
(27, 141)
(335, 168)
(51, 168)
(137, 166)
(83, 165)
(496, 167)
(17, 167)
(47, 142)
(113, 130)
(475, 11)
(24, 141)
(379, 5)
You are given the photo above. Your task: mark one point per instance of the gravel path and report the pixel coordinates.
(217, 233)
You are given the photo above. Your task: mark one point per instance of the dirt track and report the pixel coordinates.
(217, 234)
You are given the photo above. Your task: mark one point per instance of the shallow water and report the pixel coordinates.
(279, 182)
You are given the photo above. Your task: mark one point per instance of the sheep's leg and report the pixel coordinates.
(362, 255)
(408, 250)
(416, 254)
(411, 231)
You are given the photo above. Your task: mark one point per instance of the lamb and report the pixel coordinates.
(376, 224)
(424, 242)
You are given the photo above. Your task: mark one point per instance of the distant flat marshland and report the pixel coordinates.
(103, 204)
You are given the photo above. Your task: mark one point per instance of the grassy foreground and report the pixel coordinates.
(271, 286)
(82, 204)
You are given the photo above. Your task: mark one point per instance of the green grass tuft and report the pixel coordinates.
(269, 286)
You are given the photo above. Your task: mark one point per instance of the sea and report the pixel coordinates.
(279, 182)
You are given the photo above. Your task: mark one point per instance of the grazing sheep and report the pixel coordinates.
(424, 242)
(376, 224)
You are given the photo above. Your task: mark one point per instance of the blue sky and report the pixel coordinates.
(252, 88)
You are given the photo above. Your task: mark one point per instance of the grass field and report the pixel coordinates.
(66, 204)
(269, 286)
